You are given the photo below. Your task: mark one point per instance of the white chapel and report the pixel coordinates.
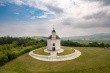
(53, 42)
(53, 48)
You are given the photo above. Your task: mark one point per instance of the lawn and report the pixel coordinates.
(92, 60)
(67, 50)
(40, 51)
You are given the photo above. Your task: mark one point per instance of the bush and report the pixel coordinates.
(11, 48)
(3, 58)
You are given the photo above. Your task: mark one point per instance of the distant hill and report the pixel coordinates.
(100, 36)
(39, 37)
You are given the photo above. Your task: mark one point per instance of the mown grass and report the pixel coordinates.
(92, 60)
(67, 50)
(40, 51)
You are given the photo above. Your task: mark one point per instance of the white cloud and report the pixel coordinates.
(69, 17)
(16, 13)
(18, 2)
(33, 17)
(42, 16)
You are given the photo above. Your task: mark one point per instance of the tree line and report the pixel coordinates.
(76, 44)
(12, 47)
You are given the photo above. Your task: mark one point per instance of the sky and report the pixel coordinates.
(69, 17)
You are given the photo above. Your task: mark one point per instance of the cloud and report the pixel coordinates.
(25, 29)
(70, 17)
(54, 9)
(38, 17)
(16, 13)
(18, 2)
(104, 2)
(43, 16)
(98, 15)
(33, 17)
(98, 19)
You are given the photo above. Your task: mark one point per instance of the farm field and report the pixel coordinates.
(92, 60)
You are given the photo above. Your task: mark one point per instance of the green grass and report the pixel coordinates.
(92, 60)
(67, 50)
(40, 51)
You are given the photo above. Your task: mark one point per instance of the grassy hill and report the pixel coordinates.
(92, 60)
(100, 36)
(39, 37)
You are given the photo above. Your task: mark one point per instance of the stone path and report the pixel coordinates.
(54, 57)
(53, 54)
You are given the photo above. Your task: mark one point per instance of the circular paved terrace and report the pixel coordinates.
(52, 57)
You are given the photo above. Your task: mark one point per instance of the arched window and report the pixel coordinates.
(53, 44)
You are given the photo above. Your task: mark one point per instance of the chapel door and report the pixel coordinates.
(53, 49)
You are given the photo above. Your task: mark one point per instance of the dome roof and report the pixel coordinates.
(50, 37)
(53, 30)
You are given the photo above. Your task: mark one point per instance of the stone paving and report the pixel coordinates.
(53, 56)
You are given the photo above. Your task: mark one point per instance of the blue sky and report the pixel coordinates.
(70, 17)
(13, 12)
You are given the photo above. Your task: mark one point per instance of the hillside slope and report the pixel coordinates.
(101, 36)
(92, 60)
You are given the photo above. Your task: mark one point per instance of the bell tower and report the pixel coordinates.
(53, 34)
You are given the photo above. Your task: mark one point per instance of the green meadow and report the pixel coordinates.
(67, 50)
(40, 51)
(92, 60)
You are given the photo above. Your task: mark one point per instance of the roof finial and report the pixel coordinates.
(53, 27)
